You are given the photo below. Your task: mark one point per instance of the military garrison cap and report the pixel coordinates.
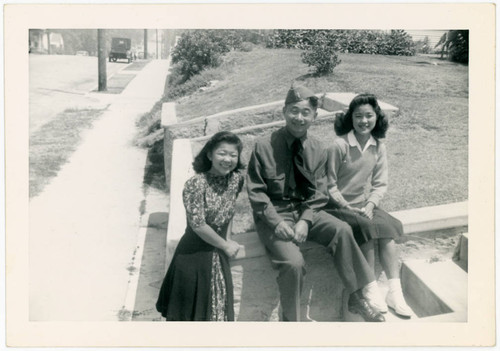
(298, 93)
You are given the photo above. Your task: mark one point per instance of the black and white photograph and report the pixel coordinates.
(179, 169)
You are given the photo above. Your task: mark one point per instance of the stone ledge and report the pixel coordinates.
(331, 102)
(256, 296)
(462, 252)
(168, 114)
(321, 115)
(414, 221)
(341, 101)
(435, 289)
(181, 164)
(433, 217)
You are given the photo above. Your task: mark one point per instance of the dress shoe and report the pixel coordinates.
(396, 301)
(371, 292)
(358, 304)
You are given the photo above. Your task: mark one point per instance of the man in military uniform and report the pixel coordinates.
(286, 185)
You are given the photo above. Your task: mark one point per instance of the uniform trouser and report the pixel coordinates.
(327, 231)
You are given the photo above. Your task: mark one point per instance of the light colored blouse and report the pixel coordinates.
(356, 176)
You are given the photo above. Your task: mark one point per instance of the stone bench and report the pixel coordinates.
(417, 220)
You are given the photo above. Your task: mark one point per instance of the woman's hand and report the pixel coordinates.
(231, 248)
(368, 210)
(356, 210)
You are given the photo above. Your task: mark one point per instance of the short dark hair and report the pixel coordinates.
(202, 163)
(343, 122)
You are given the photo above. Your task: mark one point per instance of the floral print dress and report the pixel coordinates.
(198, 283)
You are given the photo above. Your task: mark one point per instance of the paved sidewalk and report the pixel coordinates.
(84, 226)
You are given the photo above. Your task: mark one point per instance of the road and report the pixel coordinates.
(59, 82)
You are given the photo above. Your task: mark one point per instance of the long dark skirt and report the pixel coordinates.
(381, 226)
(186, 293)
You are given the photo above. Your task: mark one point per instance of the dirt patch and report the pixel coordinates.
(433, 246)
(137, 66)
(118, 82)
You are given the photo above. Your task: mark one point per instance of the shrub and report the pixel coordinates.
(291, 38)
(255, 37)
(399, 43)
(459, 47)
(199, 49)
(175, 76)
(322, 57)
(422, 46)
(246, 46)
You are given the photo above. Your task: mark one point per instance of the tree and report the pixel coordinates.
(456, 43)
(322, 57)
(422, 46)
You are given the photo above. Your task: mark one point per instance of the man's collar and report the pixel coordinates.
(290, 138)
(351, 138)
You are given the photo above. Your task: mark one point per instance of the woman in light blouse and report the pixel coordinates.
(356, 159)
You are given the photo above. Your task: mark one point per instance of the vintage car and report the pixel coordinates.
(120, 50)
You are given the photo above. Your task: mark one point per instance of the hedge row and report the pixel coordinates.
(395, 42)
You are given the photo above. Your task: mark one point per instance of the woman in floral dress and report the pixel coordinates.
(198, 284)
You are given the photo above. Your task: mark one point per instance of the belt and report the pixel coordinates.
(287, 203)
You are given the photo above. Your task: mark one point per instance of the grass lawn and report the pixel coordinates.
(264, 75)
(52, 145)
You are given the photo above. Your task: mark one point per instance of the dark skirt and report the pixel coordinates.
(381, 226)
(185, 294)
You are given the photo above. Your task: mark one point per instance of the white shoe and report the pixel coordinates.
(372, 294)
(396, 301)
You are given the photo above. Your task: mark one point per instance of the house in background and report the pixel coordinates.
(433, 35)
(43, 41)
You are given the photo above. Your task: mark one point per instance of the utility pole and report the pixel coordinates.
(101, 58)
(157, 44)
(145, 44)
(48, 41)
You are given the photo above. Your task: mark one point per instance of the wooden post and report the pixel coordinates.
(48, 41)
(145, 44)
(101, 52)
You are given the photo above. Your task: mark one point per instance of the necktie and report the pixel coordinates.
(301, 182)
